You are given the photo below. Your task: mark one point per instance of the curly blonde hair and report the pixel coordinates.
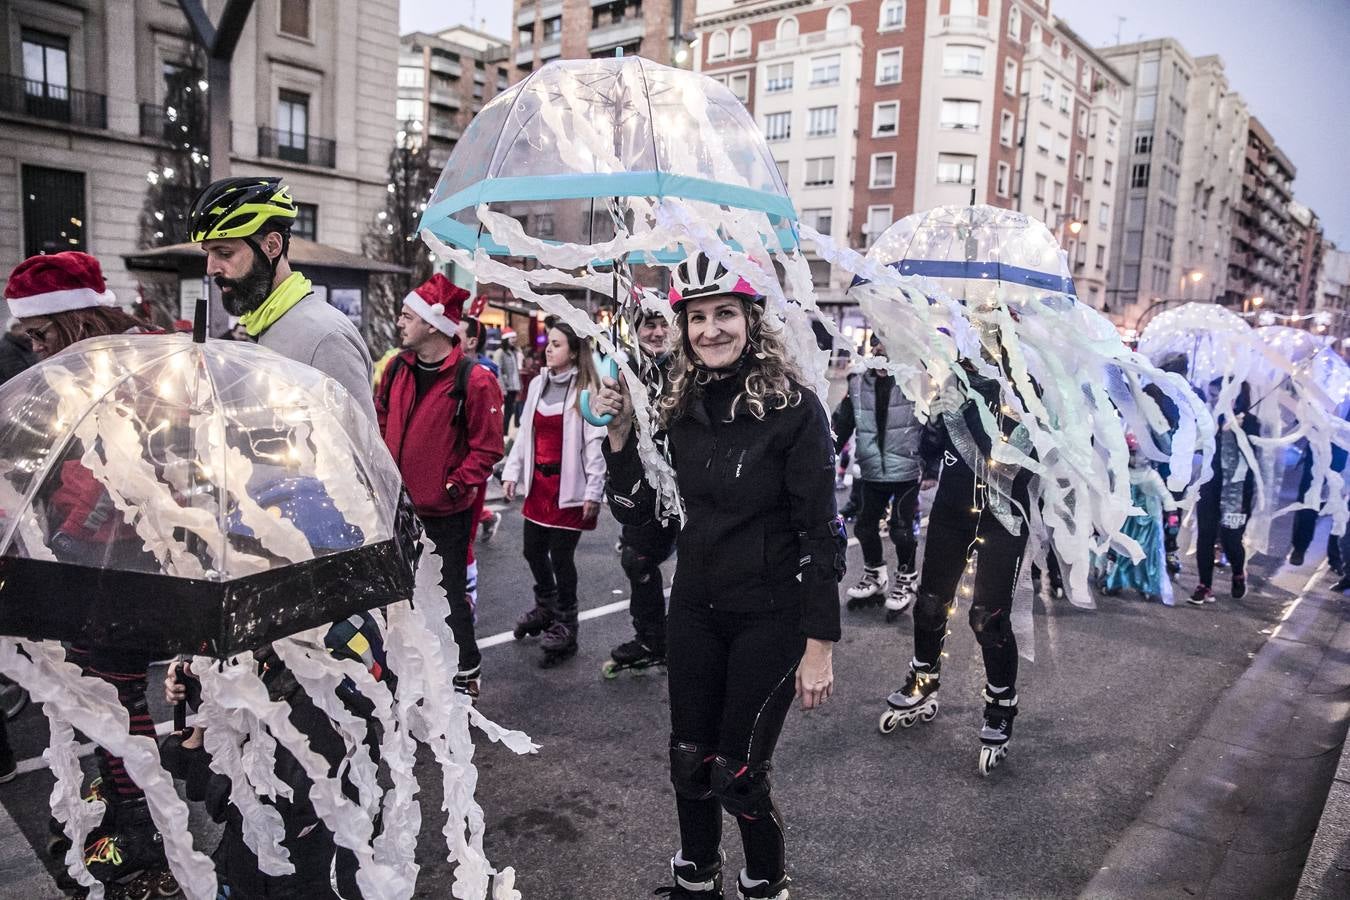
(772, 381)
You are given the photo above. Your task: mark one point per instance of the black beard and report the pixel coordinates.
(248, 293)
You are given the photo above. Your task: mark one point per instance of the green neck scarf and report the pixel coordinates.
(285, 295)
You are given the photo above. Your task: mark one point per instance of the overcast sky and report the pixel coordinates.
(1290, 59)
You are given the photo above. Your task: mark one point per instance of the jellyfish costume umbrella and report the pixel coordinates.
(1221, 349)
(997, 282)
(170, 496)
(592, 168)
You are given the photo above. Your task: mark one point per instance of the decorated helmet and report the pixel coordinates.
(701, 276)
(239, 207)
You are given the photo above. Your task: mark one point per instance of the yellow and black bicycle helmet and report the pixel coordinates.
(239, 208)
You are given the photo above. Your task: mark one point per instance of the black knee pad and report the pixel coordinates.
(743, 790)
(930, 612)
(637, 566)
(691, 770)
(992, 627)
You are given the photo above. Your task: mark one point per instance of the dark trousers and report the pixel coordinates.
(509, 410)
(950, 533)
(645, 547)
(551, 554)
(1208, 530)
(732, 679)
(126, 672)
(903, 499)
(450, 534)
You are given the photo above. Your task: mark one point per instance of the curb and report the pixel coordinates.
(1326, 873)
(1236, 814)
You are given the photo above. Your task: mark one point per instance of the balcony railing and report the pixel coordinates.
(974, 25)
(297, 148)
(614, 34)
(54, 103)
(814, 40)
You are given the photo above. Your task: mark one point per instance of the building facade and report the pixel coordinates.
(82, 114)
(1213, 153)
(1308, 246)
(1148, 169)
(1263, 261)
(444, 79)
(580, 29)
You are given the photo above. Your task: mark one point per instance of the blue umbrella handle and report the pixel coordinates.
(609, 368)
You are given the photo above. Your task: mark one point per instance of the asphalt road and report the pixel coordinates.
(1113, 697)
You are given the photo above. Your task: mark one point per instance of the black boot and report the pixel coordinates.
(537, 620)
(560, 641)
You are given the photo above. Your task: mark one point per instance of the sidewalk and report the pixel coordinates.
(1236, 815)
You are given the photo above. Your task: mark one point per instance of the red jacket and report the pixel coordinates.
(432, 445)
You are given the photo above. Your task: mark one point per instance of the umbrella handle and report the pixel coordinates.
(180, 715)
(609, 368)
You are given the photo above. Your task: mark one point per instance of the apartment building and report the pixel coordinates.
(1214, 147)
(1333, 290)
(1309, 246)
(1262, 263)
(82, 111)
(444, 79)
(579, 29)
(1148, 162)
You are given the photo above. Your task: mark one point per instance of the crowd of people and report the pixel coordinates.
(754, 609)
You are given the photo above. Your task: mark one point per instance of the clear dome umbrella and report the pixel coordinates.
(191, 497)
(164, 495)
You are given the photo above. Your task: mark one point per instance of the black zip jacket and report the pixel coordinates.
(761, 530)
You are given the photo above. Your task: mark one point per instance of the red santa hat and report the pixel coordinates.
(439, 302)
(55, 283)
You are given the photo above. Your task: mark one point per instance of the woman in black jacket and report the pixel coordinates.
(754, 609)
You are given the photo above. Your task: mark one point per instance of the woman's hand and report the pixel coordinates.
(174, 690)
(510, 488)
(815, 673)
(589, 510)
(612, 399)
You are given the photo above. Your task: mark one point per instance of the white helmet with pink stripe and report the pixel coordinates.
(701, 276)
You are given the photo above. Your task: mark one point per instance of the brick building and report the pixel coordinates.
(578, 29)
(1263, 261)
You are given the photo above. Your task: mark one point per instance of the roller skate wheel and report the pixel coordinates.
(990, 757)
(610, 670)
(889, 720)
(930, 713)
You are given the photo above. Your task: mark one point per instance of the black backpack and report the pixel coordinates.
(459, 392)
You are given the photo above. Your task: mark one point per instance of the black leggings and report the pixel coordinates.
(950, 532)
(732, 681)
(645, 547)
(903, 497)
(1207, 530)
(551, 554)
(451, 534)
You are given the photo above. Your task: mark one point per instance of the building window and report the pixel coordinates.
(553, 29)
(821, 220)
(1145, 107)
(1057, 198)
(293, 124)
(1036, 33)
(53, 210)
(1111, 132)
(1065, 100)
(778, 78)
(408, 111)
(838, 19)
(892, 15)
(787, 29)
(1104, 215)
(778, 126)
(717, 45)
(1062, 147)
(888, 67)
(782, 166)
(1038, 193)
(1006, 125)
(883, 170)
(740, 86)
(1101, 257)
(1139, 175)
(46, 66)
(825, 70)
(820, 171)
(1015, 23)
(1048, 91)
(1082, 122)
(822, 121)
(525, 35)
(879, 218)
(1075, 206)
(306, 223)
(295, 18)
(1148, 74)
(740, 42)
(1143, 144)
(1043, 139)
(1108, 168)
(1010, 77)
(886, 119)
(1091, 167)
(1002, 176)
(954, 168)
(411, 76)
(962, 115)
(962, 59)
(1078, 165)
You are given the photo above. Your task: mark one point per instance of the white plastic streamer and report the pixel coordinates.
(77, 817)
